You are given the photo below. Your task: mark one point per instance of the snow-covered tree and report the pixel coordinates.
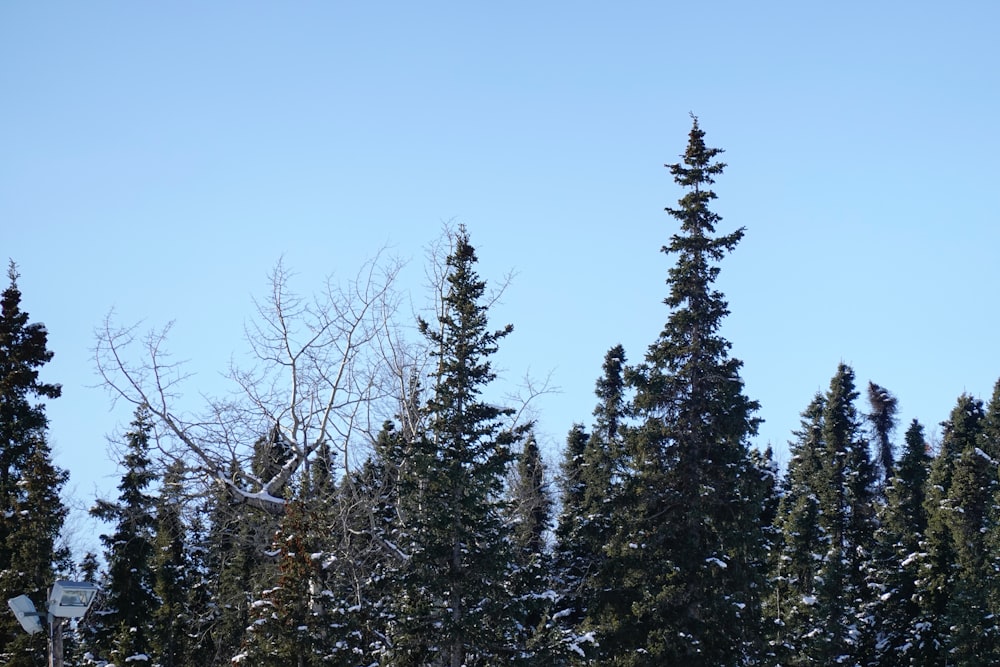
(941, 574)
(129, 600)
(450, 606)
(31, 511)
(899, 552)
(685, 584)
(287, 621)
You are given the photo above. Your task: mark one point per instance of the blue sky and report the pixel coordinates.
(159, 158)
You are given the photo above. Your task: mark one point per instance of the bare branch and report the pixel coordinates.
(319, 375)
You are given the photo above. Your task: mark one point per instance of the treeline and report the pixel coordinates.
(302, 526)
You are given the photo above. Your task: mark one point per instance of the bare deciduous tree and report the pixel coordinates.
(326, 371)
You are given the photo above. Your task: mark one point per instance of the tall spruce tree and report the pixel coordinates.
(591, 478)
(899, 538)
(989, 443)
(941, 564)
(846, 492)
(575, 554)
(686, 587)
(973, 634)
(822, 598)
(801, 547)
(129, 601)
(31, 512)
(452, 606)
(540, 640)
(175, 580)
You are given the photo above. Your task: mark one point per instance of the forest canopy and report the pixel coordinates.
(362, 498)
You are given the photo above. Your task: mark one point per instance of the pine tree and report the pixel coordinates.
(802, 545)
(81, 649)
(899, 539)
(883, 420)
(822, 598)
(175, 578)
(129, 600)
(575, 556)
(989, 444)
(531, 504)
(200, 610)
(846, 492)
(31, 512)
(941, 565)
(681, 514)
(972, 630)
(287, 621)
(591, 476)
(238, 539)
(363, 562)
(540, 639)
(451, 607)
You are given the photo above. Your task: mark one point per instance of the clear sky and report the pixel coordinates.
(159, 158)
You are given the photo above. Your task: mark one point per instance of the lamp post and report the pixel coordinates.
(67, 599)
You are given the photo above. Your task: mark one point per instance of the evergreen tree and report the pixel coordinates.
(972, 626)
(899, 546)
(238, 565)
(81, 649)
(802, 545)
(591, 477)
(989, 443)
(540, 640)
(822, 598)
(31, 512)
(575, 556)
(531, 504)
(678, 557)
(364, 563)
(451, 609)
(940, 567)
(287, 623)
(129, 600)
(175, 579)
(846, 492)
(200, 610)
(883, 420)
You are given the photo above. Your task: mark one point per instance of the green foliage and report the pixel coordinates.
(675, 543)
(899, 553)
(680, 562)
(31, 512)
(129, 600)
(287, 622)
(821, 598)
(451, 606)
(940, 575)
(883, 421)
(175, 581)
(237, 567)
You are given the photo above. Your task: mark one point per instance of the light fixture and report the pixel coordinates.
(67, 599)
(71, 599)
(24, 609)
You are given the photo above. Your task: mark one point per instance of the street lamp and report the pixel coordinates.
(67, 599)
